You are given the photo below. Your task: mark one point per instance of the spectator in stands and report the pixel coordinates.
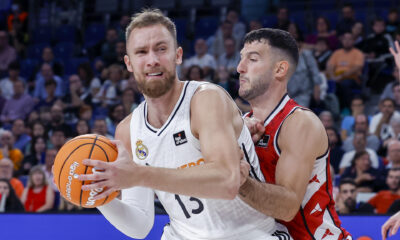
(128, 100)
(347, 21)
(86, 113)
(335, 147)
(322, 53)
(9, 201)
(344, 67)
(254, 25)
(385, 198)
(51, 98)
(108, 47)
(393, 154)
(304, 85)
(389, 90)
(392, 21)
(230, 58)
(8, 54)
(327, 120)
(376, 49)
(38, 129)
(323, 31)
(115, 116)
(19, 37)
(35, 156)
(47, 167)
(82, 127)
(224, 79)
(361, 125)
(19, 106)
(346, 200)
(100, 127)
(16, 13)
(283, 19)
(46, 75)
(357, 30)
(239, 28)
(380, 122)
(88, 79)
(45, 117)
(201, 58)
(195, 73)
(360, 145)
(21, 138)
(357, 107)
(57, 120)
(111, 89)
(9, 151)
(37, 196)
(120, 52)
(365, 176)
(6, 84)
(225, 31)
(6, 172)
(48, 57)
(57, 138)
(123, 23)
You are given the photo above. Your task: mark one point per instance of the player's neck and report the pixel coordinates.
(264, 104)
(159, 109)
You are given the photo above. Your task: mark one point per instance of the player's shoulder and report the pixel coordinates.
(123, 127)
(305, 119)
(210, 92)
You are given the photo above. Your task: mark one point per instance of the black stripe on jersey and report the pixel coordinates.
(330, 197)
(276, 107)
(305, 223)
(145, 119)
(248, 160)
(279, 234)
(176, 110)
(323, 155)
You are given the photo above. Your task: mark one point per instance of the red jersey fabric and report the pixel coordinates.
(34, 201)
(317, 218)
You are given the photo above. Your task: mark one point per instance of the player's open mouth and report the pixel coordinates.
(156, 74)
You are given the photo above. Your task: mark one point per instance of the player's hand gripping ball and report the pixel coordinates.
(68, 165)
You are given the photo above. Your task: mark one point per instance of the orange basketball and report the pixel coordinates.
(68, 165)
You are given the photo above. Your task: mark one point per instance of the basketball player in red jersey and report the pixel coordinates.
(293, 147)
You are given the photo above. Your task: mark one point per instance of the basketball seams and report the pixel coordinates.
(65, 161)
(105, 153)
(86, 168)
(99, 139)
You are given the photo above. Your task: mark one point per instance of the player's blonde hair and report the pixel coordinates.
(150, 17)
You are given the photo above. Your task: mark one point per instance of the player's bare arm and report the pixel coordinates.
(216, 123)
(302, 139)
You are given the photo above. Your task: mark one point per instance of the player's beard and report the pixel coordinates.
(254, 88)
(157, 88)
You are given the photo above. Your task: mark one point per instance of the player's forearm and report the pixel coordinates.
(272, 200)
(134, 221)
(203, 181)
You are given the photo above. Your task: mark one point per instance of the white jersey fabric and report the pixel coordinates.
(174, 146)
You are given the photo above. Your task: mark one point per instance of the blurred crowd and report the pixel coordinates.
(52, 90)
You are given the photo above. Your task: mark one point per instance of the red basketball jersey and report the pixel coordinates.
(317, 218)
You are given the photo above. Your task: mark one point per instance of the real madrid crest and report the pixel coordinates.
(141, 150)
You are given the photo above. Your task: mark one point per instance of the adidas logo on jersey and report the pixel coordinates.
(263, 142)
(180, 138)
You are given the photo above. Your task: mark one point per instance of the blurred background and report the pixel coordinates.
(62, 74)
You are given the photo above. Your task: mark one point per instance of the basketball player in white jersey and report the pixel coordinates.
(183, 140)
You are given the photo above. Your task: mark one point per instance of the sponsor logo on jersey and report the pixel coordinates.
(180, 138)
(263, 142)
(314, 179)
(141, 150)
(317, 208)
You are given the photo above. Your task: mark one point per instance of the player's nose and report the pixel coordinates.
(152, 59)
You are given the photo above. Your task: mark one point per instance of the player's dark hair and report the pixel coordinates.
(276, 38)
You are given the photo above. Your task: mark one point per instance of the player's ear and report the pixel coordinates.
(282, 69)
(178, 57)
(128, 63)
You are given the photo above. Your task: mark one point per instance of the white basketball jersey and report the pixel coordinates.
(174, 146)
